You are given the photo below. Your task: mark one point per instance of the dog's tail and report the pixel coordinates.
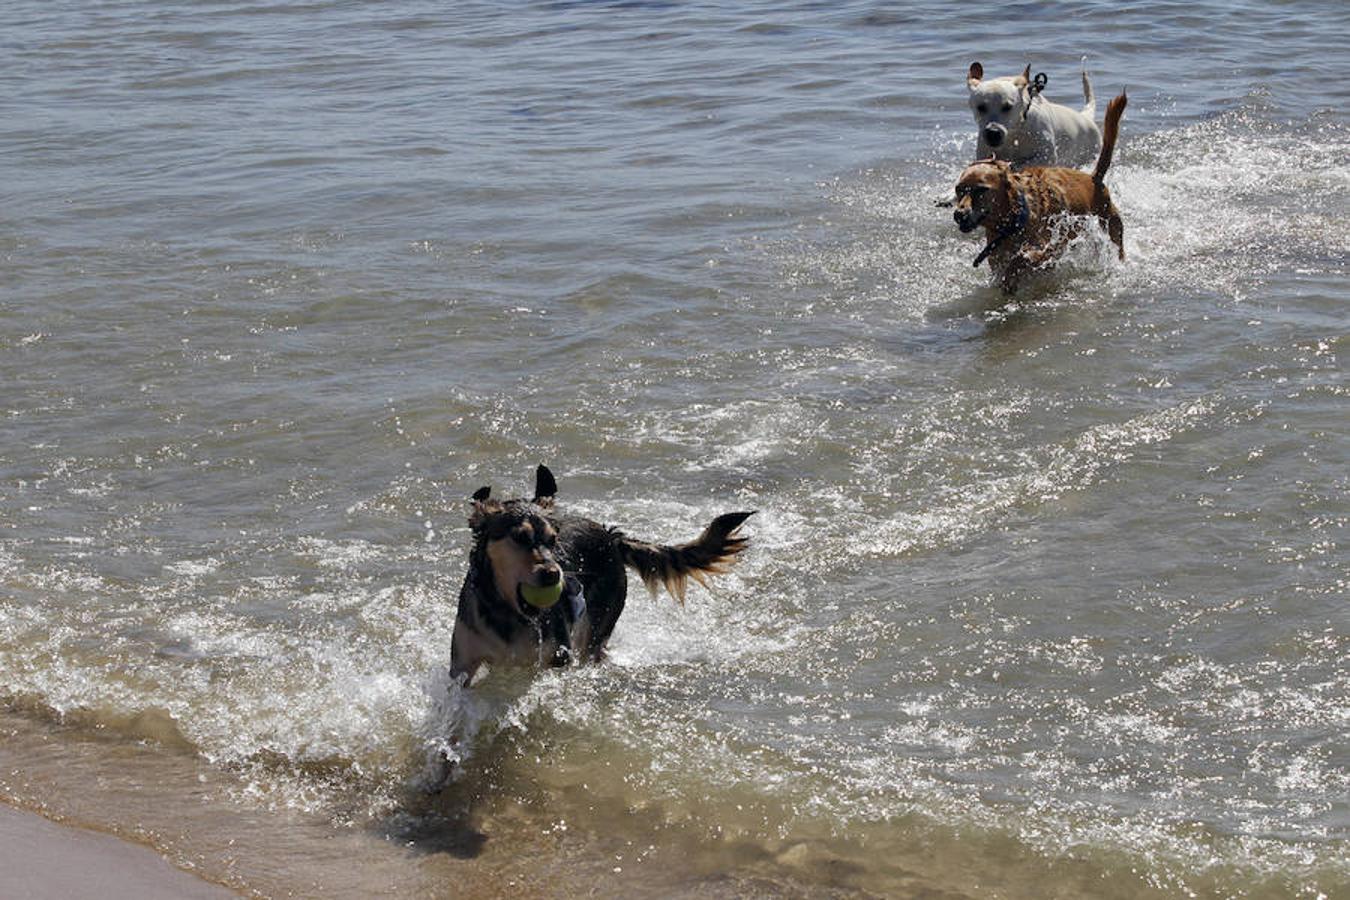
(672, 567)
(1089, 98)
(1110, 131)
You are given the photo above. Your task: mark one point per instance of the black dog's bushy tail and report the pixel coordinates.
(671, 567)
(1110, 132)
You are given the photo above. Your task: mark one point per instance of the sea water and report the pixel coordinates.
(1044, 598)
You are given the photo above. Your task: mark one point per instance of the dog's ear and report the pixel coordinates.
(545, 487)
(975, 75)
(478, 515)
(1024, 79)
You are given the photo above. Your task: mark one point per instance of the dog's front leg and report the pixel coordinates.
(444, 745)
(1019, 264)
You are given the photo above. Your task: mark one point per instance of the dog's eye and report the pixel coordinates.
(522, 537)
(982, 109)
(1007, 107)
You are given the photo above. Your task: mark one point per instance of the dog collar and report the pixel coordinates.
(1037, 85)
(1017, 224)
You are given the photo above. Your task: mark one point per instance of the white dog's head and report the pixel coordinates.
(999, 105)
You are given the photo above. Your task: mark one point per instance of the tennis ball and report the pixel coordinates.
(541, 597)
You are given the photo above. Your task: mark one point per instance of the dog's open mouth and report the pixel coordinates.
(540, 597)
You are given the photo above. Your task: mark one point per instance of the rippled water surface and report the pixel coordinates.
(1045, 598)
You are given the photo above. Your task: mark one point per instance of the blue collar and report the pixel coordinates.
(574, 595)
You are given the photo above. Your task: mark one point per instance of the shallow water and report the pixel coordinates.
(1045, 598)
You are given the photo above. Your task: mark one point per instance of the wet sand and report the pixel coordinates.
(42, 860)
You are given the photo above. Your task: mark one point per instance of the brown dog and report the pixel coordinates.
(1021, 210)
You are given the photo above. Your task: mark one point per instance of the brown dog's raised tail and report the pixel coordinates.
(1110, 131)
(671, 567)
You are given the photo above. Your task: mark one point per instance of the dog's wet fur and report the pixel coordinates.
(524, 542)
(1028, 215)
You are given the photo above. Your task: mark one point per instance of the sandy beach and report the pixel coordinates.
(42, 860)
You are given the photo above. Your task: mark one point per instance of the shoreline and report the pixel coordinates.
(47, 860)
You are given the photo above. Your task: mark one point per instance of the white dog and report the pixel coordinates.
(1021, 126)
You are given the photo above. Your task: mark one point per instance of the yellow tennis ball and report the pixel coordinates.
(541, 597)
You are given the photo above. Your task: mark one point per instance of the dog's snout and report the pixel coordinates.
(549, 575)
(993, 136)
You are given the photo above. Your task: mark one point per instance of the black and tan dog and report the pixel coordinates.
(1021, 211)
(546, 589)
